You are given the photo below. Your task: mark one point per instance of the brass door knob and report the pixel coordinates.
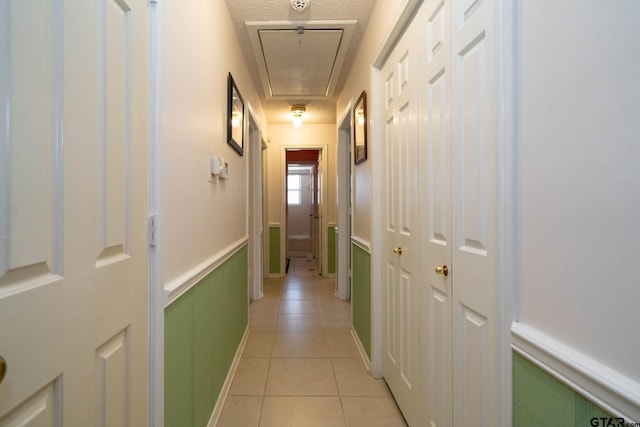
(398, 250)
(442, 269)
(3, 368)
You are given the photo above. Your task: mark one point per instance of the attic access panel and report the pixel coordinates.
(300, 63)
(300, 66)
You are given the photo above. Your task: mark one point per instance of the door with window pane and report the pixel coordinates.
(300, 211)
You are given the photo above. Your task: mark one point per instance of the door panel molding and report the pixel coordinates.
(114, 124)
(113, 381)
(44, 408)
(31, 221)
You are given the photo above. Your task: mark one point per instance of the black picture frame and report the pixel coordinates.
(360, 129)
(235, 117)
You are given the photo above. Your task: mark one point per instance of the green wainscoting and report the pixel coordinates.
(361, 295)
(203, 329)
(331, 249)
(541, 400)
(274, 249)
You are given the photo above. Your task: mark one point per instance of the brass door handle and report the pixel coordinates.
(3, 368)
(398, 250)
(442, 269)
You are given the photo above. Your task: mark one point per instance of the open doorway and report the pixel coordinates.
(303, 212)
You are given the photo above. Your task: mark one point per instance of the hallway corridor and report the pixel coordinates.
(301, 367)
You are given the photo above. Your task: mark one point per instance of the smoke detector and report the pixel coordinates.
(299, 5)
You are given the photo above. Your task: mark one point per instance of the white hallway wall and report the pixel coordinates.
(199, 49)
(309, 135)
(382, 19)
(578, 177)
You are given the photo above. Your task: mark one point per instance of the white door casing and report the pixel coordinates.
(320, 188)
(402, 292)
(255, 213)
(320, 209)
(74, 91)
(343, 208)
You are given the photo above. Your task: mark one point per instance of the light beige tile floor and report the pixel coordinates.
(300, 365)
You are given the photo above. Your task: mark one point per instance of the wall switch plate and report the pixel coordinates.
(218, 167)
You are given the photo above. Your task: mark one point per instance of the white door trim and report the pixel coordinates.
(283, 197)
(506, 209)
(156, 287)
(345, 126)
(255, 204)
(401, 22)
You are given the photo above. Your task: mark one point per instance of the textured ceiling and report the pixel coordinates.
(280, 10)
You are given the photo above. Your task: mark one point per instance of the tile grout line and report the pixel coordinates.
(303, 285)
(333, 366)
(273, 339)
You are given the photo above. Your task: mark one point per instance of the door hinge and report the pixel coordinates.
(153, 230)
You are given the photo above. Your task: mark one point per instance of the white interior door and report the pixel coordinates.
(455, 324)
(401, 293)
(459, 168)
(74, 78)
(300, 233)
(435, 208)
(476, 315)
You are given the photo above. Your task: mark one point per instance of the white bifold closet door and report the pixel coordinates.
(451, 314)
(402, 296)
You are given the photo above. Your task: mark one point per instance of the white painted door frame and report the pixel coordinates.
(322, 170)
(265, 222)
(255, 207)
(343, 254)
(157, 297)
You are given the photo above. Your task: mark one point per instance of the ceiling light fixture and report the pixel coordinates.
(299, 5)
(297, 111)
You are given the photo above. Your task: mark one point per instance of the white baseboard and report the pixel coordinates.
(612, 391)
(217, 410)
(361, 350)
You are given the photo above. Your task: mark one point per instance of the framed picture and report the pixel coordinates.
(360, 129)
(235, 117)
